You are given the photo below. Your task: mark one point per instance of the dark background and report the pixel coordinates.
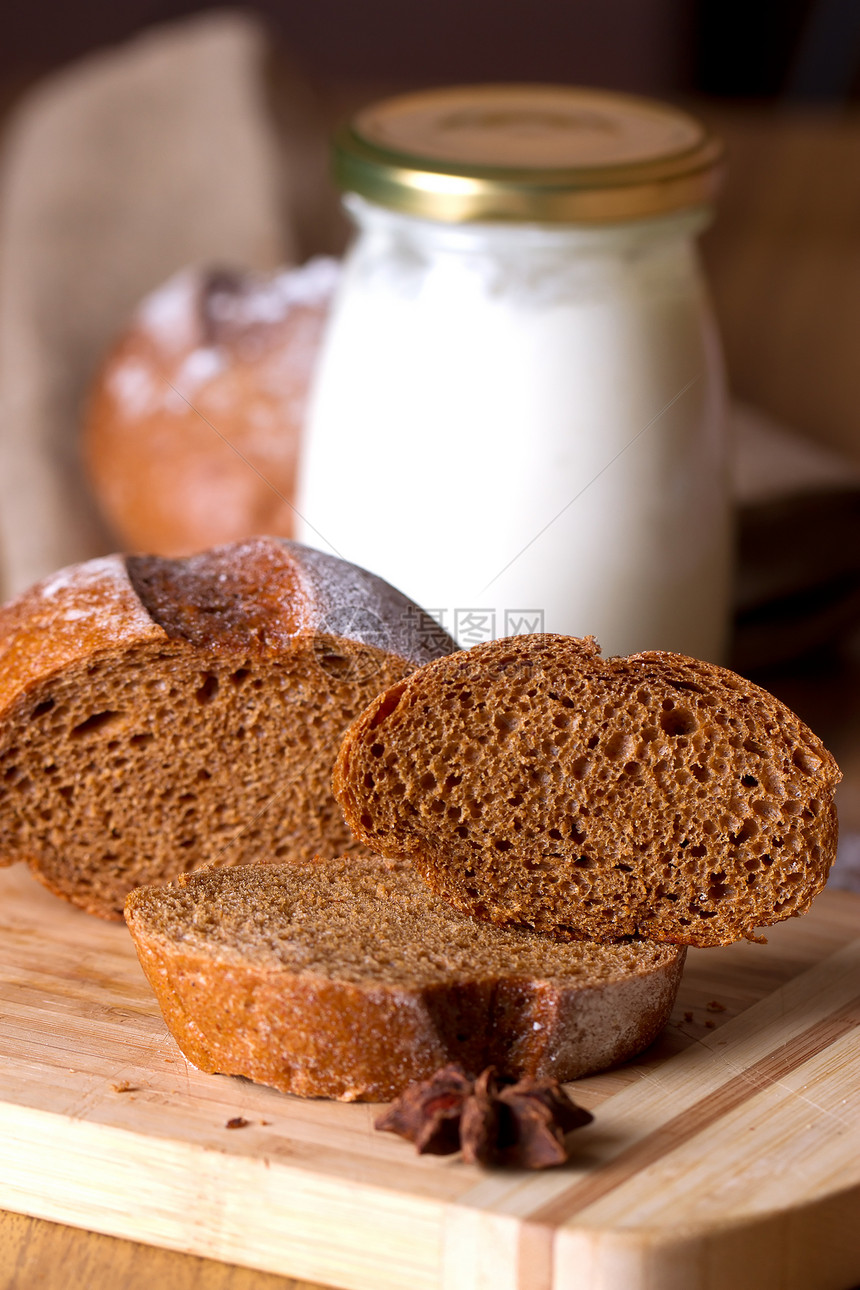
(740, 49)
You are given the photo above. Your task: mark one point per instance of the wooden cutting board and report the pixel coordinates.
(727, 1157)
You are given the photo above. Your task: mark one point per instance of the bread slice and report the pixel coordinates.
(531, 781)
(347, 979)
(157, 715)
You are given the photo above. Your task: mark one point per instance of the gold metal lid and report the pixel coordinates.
(530, 153)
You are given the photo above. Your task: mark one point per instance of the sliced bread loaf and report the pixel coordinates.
(348, 979)
(157, 715)
(530, 781)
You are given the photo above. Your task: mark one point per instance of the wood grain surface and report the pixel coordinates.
(726, 1156)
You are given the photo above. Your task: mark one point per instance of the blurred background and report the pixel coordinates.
(755, 51)
(778, 79)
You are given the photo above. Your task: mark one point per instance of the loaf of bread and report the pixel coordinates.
(192, 431)
(158, 715)
(347, 979)
(532, 782)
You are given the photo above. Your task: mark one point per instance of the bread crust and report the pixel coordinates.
(99, 662)
(364, 1033)
(531, 781)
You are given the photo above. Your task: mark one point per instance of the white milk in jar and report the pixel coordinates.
(518, 412)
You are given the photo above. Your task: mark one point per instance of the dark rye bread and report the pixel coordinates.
(347, 979)
(157, 715)
(531, 781)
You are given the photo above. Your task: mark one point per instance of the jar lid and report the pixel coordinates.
(532, 153)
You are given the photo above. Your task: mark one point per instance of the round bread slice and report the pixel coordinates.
(530, 781)
(348, 979)
(157, 715)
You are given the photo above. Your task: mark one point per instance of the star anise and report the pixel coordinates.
(491, 1120)
(428, 1113)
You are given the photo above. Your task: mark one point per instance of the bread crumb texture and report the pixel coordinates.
(347, 978)
(531, 781)
(159, 715)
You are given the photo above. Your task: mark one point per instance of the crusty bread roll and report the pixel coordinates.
(347, 979)
(192, 431)
(530, 781)
(157, 715)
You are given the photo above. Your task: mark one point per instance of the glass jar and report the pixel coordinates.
(518, 411)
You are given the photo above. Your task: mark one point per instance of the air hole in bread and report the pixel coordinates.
(98, 721)
(806, 761)
(748, 830)
(691, 686)
(41, 708)
(241, 674)
(387, 706)
(208, 689)
(677, 721)
(141, 740)
(334, 664)
(620, 746)
(719, 887)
